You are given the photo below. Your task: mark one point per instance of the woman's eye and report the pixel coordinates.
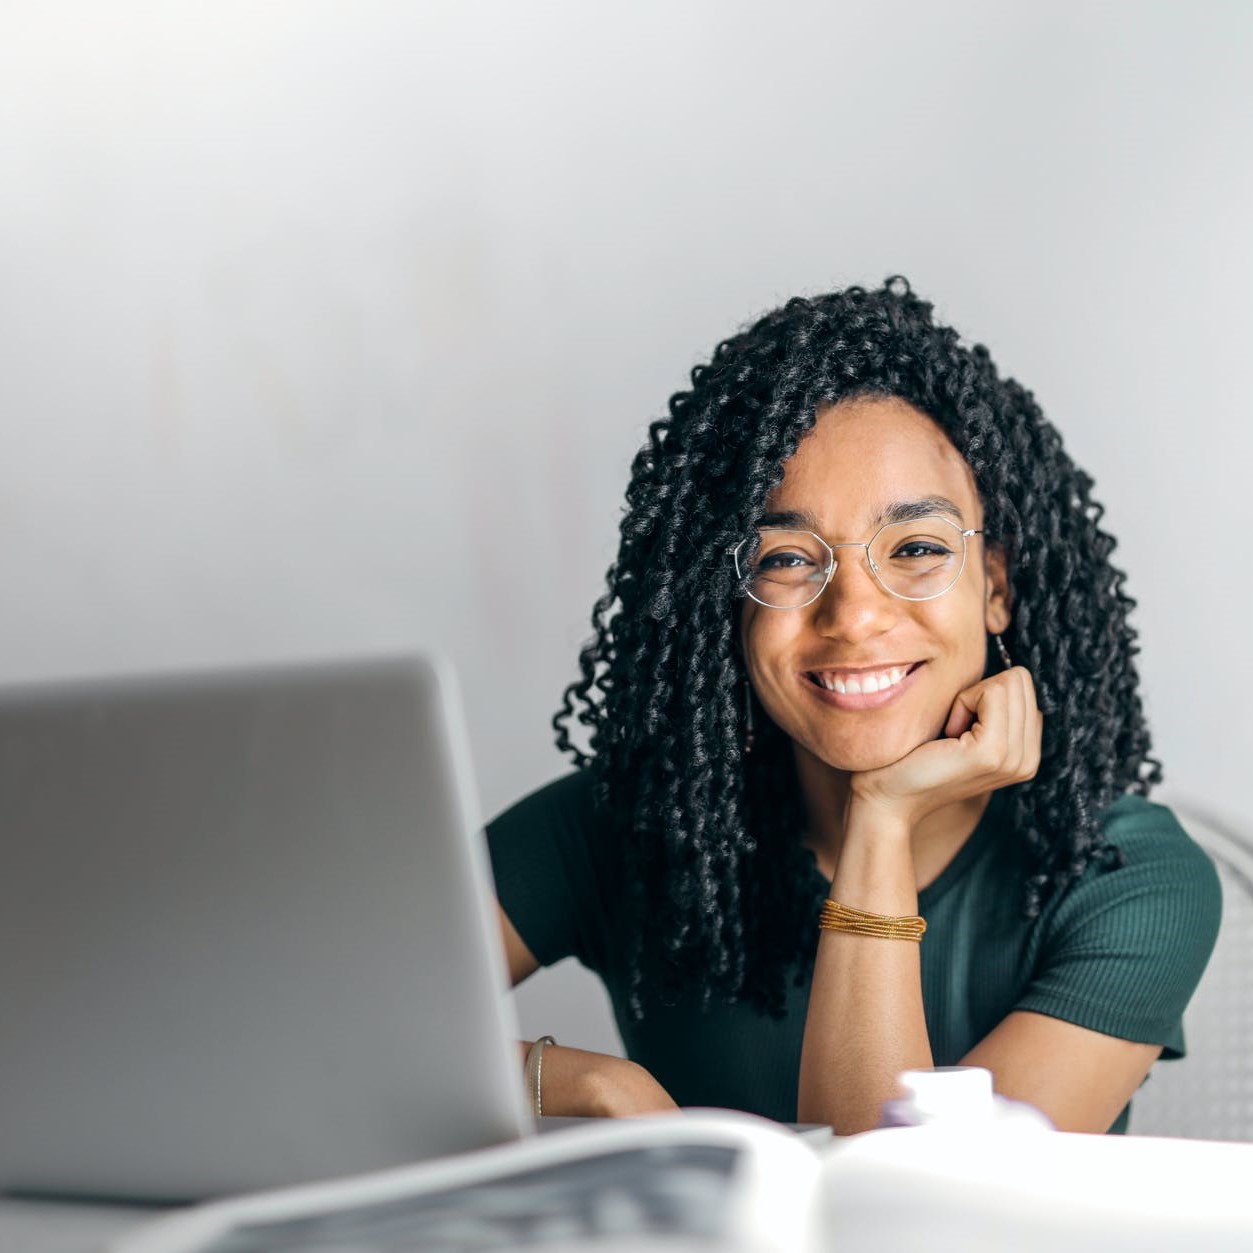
(783, 561)
(920, 549)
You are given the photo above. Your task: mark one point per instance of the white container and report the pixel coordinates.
(955, 1096)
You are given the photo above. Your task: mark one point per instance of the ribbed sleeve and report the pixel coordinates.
(1126, 947)
(551, 873)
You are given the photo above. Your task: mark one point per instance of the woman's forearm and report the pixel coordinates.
(865, 1022)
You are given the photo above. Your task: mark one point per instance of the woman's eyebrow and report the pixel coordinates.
(909, 510)
(897, 511)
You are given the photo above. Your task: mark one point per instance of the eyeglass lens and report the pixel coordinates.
(916, 560)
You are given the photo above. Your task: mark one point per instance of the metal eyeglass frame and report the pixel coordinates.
(874, 569)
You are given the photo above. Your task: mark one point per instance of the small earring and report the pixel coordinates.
(748, 718)
(1000, 645)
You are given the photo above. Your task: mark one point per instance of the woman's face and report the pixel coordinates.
(862, 458)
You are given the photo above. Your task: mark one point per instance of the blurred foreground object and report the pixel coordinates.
(947, 1190)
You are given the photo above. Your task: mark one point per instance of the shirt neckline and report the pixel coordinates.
(965, 856)
(969, 852)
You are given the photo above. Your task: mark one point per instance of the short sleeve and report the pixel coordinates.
(1125, 947)
(549, 855)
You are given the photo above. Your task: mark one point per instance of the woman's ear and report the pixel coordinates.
(996, 571)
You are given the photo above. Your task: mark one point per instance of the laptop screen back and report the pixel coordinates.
(246, 935)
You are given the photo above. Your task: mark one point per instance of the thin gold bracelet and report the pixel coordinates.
(837, 917)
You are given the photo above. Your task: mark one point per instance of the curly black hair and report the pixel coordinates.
(709, 838)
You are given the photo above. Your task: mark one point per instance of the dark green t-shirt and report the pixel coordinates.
(1120, 951)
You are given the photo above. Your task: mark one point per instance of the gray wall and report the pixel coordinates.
(303, 306)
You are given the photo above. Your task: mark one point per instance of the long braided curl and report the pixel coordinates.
(709, 840)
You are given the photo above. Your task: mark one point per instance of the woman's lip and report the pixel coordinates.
(862, 700)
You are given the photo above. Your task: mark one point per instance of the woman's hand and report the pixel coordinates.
(617, 1088)
(991, 739)
(583, 1084)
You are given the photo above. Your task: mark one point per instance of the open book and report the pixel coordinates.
(696, 1180)
(719, 1180)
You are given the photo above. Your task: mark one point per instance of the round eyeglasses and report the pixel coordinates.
(916, 560)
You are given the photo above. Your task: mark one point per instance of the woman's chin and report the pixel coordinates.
(861, 757)
(860, 763)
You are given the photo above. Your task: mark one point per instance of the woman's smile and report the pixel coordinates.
(863, 688)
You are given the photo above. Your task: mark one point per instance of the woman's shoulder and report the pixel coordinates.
(558, 821)
(566, 802)
(1125, 944)
(552, 861)
(1146, 832)
(1160, 873)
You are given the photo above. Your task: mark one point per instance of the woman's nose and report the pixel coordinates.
(854, 605)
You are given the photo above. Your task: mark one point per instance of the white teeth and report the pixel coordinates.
(864, 683)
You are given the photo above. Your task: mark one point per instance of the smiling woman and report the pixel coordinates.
(863, 670)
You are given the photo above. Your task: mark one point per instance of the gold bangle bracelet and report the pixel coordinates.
(837, 917)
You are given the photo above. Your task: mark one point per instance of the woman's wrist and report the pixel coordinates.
(876, 868)
(877, 821)
(598, 1085)
(617, 1088)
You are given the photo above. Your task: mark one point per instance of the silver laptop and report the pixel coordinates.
(246, 935)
